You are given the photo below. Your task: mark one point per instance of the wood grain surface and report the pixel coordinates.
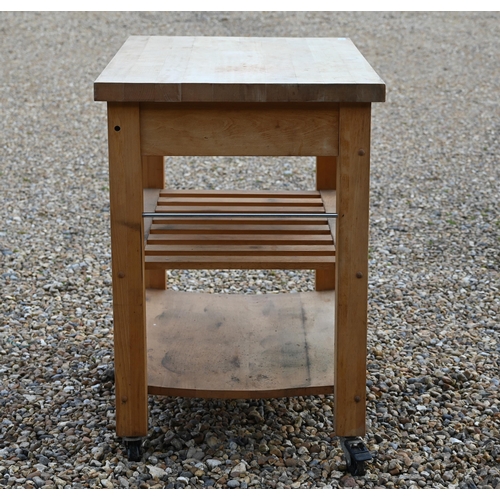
(240, 346)
(238, 69)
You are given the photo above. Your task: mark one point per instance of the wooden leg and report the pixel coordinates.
(156, 279)
(353, 171)
(153, 176)
(325, 279)
(326, 172)
(326, 178)
(126, 196)
(153, 172)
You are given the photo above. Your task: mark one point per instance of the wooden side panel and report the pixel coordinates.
(239, 130)
(326, 179)
(153, 176)
(126, 197)
(353, 171)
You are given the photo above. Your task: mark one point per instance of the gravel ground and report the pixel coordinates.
(433, 369)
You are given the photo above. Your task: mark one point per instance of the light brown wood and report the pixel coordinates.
(153, 278)
(126, 200)
(325, 279)
(156, 278)
(326, 172)
(325, 183)
(153, 172)
(235, 193)
(242, 239)
(234, 346)
(329, 200)
(150, 197)
(353, 171)
(233, 222)
(276, 208)
(225, 248)
(239, 262)
(239, 130)
(238, 227)
(237, 69)
(153, 176)
(190, 202)
(240, 96)
(257, 249)
(227, 202)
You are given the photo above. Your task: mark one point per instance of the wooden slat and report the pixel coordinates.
(242, 239)
(225, 227)
(234, 262)
(242, 201)
(240, 250)
(353, 171)
(261, 193)
(235, 346)
(239, 130)
(238, 209)
(278, 222)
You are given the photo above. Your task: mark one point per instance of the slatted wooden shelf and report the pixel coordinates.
(253, 243)
(240, 346)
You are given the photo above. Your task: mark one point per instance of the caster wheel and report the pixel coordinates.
(356, 468)
(356, 454)
(134, 451)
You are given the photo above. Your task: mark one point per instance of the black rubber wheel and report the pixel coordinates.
(134, 451)
(356, 455)
(356, 468)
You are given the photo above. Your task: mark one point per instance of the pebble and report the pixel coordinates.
(39, 482)
(156, 472)
(238, 470)
(432, 384)
(212, 463)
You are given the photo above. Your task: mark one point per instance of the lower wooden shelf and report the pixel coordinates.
(240, 346)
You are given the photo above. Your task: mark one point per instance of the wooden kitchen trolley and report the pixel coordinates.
(232, 96)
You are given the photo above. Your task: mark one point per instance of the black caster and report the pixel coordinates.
(356, 454)
(134, 449)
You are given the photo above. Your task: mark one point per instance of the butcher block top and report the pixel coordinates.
(238, 69)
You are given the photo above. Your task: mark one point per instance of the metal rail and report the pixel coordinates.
(286, 215)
